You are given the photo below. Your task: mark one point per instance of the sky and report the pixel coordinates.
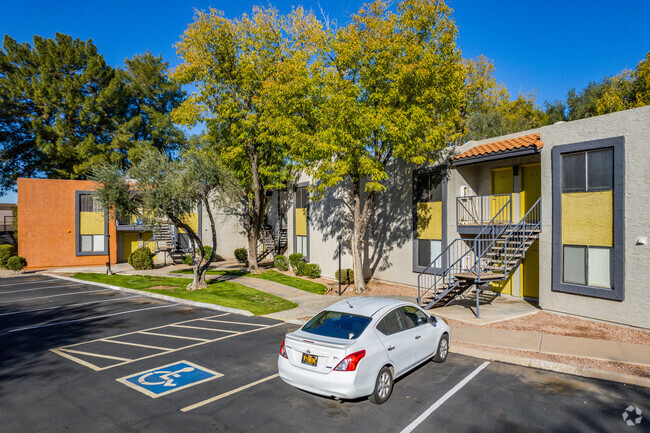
(548, 47)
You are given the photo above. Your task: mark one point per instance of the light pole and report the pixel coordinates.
(339, 238)
(108, 263)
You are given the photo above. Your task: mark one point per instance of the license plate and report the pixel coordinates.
(309, 359)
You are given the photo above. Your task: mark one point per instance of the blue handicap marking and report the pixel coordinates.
(169, 378)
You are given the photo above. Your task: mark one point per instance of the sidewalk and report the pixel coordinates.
(537, 342)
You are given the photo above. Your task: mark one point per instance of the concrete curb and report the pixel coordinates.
(156, 296)
(552, 366)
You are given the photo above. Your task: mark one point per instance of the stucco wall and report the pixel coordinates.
(634, 125)
(46, 223)
(229, 230)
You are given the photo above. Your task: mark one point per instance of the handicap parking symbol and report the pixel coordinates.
(168, 378)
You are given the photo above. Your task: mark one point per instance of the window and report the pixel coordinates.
(414, 317)
(301, 245)
(301, 197)
(588, 171)
(428, 250)
(392, 323)
(588, 259)
(91, 225)
(336, 324)
(588, 266)
(428, 187)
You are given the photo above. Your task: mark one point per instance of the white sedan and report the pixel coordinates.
(358, 347)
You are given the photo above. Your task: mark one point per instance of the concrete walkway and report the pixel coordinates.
(500, 309)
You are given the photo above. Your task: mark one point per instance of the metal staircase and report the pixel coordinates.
(271, 241)
(491, 256)
(164, 239)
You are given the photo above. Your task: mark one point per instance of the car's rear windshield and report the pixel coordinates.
(337, 325)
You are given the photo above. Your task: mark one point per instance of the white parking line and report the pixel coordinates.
(67, 305)
(52, 296)
(61, 350)
(203, 329)
(28, 282)
(84, 319)
(235, 323)
(174, 336)
(146, 346)
(409, 428)
(226, 394)
(97, 355)
(41, 288)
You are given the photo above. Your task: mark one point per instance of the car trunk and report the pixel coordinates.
(329, 351)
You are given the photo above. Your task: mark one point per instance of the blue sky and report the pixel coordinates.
(548, 47)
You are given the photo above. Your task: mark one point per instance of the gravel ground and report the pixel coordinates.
(596, 364)
(550, 323)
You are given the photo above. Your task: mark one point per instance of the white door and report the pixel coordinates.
(392, 334)
(424, 334)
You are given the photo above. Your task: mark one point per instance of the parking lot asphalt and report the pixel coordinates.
(79, 358)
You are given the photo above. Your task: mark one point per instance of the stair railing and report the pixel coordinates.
(526, 229)
(462, 255)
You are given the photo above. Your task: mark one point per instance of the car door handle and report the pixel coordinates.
(417, 337)
(391, 347)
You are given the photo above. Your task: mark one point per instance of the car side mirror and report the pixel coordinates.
(433, 320)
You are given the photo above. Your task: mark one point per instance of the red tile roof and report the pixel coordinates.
(523, 142)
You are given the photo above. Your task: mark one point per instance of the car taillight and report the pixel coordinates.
(350, 362)
(283, 351)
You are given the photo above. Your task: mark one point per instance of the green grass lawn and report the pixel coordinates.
(225, 293)
(271, 275)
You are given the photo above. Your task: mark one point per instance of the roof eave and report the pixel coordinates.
(511, 153)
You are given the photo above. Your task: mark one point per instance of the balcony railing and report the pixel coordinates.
(479, 210)
(7, 224)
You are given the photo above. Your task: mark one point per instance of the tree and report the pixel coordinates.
(160, 187)
(237, 67)
(64, 110)
(387, 86)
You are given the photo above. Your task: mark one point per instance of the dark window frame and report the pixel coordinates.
(442, 173)
(77, 238)
(617, 293)
(295, 207)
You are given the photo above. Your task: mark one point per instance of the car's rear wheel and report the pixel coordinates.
(383, 386)
(443, 349)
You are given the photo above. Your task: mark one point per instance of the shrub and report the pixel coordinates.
(346, 277)
(281, 262)
(187, 259)
(295, 260)
(16, 263)
(6, 251)
(207, 251)
(311, 270)
(241, 255)
(300, 269)
(141, 259)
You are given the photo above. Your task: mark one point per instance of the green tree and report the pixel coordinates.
(162, 188)
(64, 110)
(387, 86)
(239, 68)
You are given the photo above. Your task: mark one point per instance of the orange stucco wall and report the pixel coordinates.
(46, 224)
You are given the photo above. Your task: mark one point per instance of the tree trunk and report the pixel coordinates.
(199, 277)
(357, 240)
(256, 212)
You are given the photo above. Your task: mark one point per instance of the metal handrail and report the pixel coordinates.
(476, 209)
(523, 229)
(457, 246)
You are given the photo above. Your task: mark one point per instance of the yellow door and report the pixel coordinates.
(129, 244)
(530, 272)
(531, 190)
(531, 186)
(145, 237)
(501, 183)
